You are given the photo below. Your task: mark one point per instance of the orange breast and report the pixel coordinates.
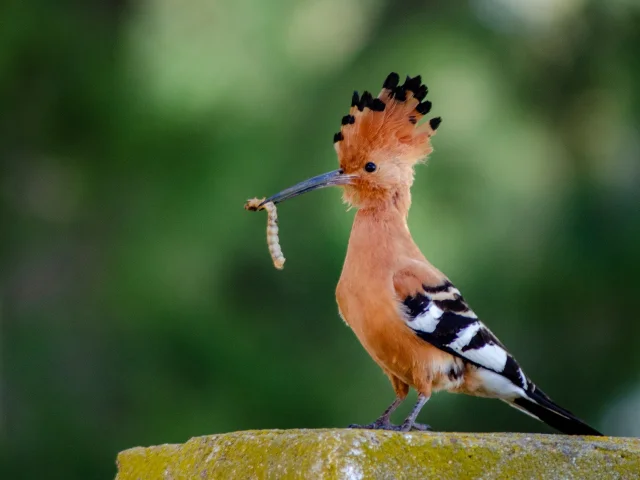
(373, 314)
(380, 247)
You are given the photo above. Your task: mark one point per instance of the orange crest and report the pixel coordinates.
(380, 141)
(386, 127)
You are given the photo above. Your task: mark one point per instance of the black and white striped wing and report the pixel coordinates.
(440, 316)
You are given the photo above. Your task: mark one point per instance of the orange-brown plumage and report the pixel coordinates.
(372, 281)
(408, 316)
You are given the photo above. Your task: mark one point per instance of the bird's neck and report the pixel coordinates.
(380, 233)
(391, 207)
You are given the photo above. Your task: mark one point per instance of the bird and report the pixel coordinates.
(409, 317)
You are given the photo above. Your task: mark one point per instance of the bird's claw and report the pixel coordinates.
(377, 425)
(420, 427)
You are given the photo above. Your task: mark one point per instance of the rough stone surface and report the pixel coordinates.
(363, 454)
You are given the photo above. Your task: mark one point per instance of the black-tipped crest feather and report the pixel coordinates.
(392, 81)
(424, 108)
(355, 99)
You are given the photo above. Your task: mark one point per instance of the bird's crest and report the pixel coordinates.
(387, 125)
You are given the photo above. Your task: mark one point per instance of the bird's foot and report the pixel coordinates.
(377, 425)
(421, 427)
(405, 427)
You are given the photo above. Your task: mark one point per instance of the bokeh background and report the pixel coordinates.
(139, 302)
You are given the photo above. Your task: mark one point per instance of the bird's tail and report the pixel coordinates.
(538, 405)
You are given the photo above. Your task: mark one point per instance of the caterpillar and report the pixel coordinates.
(273, 242)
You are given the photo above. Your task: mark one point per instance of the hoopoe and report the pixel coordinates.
(409, 317)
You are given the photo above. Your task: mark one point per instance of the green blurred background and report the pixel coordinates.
(140, 305)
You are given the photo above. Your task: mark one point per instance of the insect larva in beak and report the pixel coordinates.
(272, 236)
(273, 242)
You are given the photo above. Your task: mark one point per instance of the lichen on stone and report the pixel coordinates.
(365, 454)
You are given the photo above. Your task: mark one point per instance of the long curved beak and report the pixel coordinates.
(330, 179)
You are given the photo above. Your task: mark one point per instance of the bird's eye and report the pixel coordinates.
(370, 167)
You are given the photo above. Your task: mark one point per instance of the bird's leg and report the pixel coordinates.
(384, 422)
(410, 421)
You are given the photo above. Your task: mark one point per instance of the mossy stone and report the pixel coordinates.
(364, 454)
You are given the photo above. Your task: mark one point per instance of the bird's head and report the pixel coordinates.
(378, 145)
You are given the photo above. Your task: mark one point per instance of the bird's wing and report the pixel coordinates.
(439, 315)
